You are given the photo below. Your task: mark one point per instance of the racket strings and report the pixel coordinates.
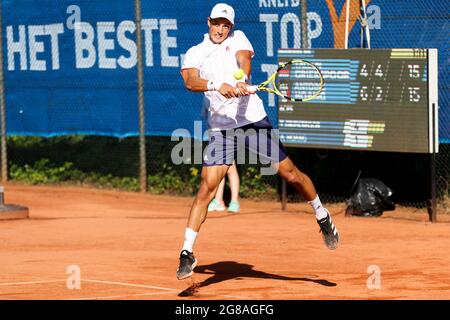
(299, 80)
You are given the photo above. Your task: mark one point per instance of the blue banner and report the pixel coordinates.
(70, 65)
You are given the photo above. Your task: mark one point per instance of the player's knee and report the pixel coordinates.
(293, 176)
(206, 191)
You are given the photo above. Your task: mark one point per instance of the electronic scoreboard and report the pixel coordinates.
(372, 99)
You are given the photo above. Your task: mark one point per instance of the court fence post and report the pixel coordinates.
(283, 195)
(3, 145)
(432, 205)
(304, 19)
(141, 100)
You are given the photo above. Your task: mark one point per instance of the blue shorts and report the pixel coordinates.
(255, 143)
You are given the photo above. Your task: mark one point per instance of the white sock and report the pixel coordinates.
(189, 239)
(318, 208)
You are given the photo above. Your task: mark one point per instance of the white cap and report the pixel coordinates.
(222, 10)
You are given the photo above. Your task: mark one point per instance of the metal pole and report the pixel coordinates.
(361, 19)
(433, 208)
(3, 149)
(367, 27)
(433, 205)
(283, 194)
(141, 101)
(347, 21)
(304, 18)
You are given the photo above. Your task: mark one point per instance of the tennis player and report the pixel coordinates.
(232, 112)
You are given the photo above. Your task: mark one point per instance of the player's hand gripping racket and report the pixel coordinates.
(298, 80)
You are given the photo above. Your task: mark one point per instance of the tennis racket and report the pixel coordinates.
(295, 80)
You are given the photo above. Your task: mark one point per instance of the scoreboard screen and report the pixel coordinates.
(372, 99)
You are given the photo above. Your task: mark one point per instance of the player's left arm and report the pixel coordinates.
(244, 60)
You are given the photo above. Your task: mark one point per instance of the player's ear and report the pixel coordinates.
(209, 22)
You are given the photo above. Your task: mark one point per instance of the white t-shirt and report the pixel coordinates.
(218, 62)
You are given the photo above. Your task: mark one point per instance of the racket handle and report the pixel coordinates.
(252, 89)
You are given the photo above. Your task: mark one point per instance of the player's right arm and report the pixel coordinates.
(193, 82)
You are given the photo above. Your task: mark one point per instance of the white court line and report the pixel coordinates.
(129, 295)
(152, 287)
(30, 282)
(88, 280)
(153, 293)
(129, 284)
(116, 283)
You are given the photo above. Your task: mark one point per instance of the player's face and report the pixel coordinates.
(219, 29)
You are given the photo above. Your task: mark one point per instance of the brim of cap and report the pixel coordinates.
(232, 22)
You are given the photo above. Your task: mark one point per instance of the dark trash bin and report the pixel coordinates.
(370, 197)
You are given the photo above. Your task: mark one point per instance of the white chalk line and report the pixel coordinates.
(88, 280)
(29, 282)
(171, 290)
(129, 284)
(123, 296)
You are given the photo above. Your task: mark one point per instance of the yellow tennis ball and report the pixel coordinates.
(238, 74)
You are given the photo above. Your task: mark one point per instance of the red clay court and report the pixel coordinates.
(126, 246)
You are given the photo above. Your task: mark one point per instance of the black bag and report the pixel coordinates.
(371, 197)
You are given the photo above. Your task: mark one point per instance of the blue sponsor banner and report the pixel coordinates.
(70, 65)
